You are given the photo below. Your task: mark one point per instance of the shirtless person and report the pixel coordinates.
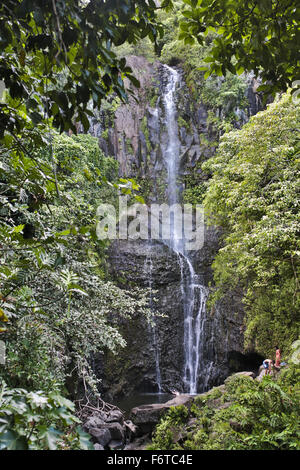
(277, 357)
(267, 363)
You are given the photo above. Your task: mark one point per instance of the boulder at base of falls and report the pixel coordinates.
(100, 436)
(116, 445)
(140, 443)
(262, 372)
(104, 433)
(146, 417)
(105, 428)
(116, 430)
(115, 416)
(94, 422)
(131, 431)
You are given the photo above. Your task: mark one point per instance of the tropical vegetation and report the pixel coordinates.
(61, 62)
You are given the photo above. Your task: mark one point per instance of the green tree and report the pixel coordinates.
(38, 421)
(56, 298)
(56, 308)
(262, 36)
(253, 195)
(56, 56)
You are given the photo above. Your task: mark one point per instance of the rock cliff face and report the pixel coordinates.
(136, 135)
(135, 368)
(154, 357)
(130, 261)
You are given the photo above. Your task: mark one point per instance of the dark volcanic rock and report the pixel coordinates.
(116, 431)
(146, 417)
(94, 422)
(100, 436)
(115, 416)
(131, 431)
(105, 428)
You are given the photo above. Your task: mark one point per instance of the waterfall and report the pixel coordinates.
(194, 294)
(171, 154)
(153, 328)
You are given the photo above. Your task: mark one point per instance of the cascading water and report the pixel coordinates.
(171, 154)
(153, 328)
(194, 294)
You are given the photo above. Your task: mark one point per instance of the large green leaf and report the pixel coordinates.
(11, 440)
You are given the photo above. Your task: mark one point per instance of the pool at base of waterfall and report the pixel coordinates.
(137, 399)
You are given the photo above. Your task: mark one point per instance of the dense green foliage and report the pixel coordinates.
(245, 414)
(253, 195)
(57, 55)
(38, 421)
(57, 305)
(255, 36)
(53, 279)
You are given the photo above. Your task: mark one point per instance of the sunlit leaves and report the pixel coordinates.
(254, 195)
(34, 420)
(59, 310)
(255, 36)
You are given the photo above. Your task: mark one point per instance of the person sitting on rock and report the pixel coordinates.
(267, 363)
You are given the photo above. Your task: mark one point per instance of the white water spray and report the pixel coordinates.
(153, 328)
(194, 294)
